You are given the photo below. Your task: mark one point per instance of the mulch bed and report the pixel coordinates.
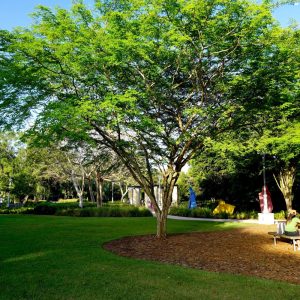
(248, 251)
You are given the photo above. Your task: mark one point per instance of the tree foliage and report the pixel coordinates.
(151, 80)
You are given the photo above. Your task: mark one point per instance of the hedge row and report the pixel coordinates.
(19, 210)
(72, 209)
(106, 212)
(206, 212)
(122, 210)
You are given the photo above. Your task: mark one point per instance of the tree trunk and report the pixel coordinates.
(123, 193)
(80, 200)
(25, 199)
(285, 182)
(79, 190)
(169, 181)
(99, 185)
(161, 225)
(92, 197)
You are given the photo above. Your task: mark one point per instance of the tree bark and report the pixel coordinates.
(79, 190)
(92, 197)
(123, 193)
(285, 182)
(99, 185)
(169, 180)
(161, 228)
(25, 199)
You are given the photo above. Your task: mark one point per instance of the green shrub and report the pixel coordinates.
(223, 215)
(68, 201)
(30, 203)
(280, 215)
(253, 215)
(105, 211)
(246, 215)
(19, 210)
(180, 211)
(116, 203)
(44, 209)
(51, 208)
(70, 212)
(241, 215)
(201, 212)
(183, 204)
(84, 212)
(66, 205)
(70, 208)
(211, 203)
(206, 212)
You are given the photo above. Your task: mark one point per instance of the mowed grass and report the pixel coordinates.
(48, 257)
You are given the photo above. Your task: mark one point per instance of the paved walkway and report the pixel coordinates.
(253, 221)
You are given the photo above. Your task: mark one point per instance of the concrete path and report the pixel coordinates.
(253, 221)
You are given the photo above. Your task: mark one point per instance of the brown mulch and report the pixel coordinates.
(248, 250)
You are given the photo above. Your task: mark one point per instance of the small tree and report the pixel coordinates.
(285, 146)
(7, 163)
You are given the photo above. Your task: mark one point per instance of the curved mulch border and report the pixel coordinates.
(248, 250)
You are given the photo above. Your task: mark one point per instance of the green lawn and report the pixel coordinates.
(47, 257)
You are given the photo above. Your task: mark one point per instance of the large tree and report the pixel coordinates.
(275, 129)
(148, 79)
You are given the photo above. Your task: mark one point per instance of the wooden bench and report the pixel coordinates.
(277, 235)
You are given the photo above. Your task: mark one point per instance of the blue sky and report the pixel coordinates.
(16, 12)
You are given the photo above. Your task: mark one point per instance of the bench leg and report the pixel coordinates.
(275, 240)
(294, 244)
